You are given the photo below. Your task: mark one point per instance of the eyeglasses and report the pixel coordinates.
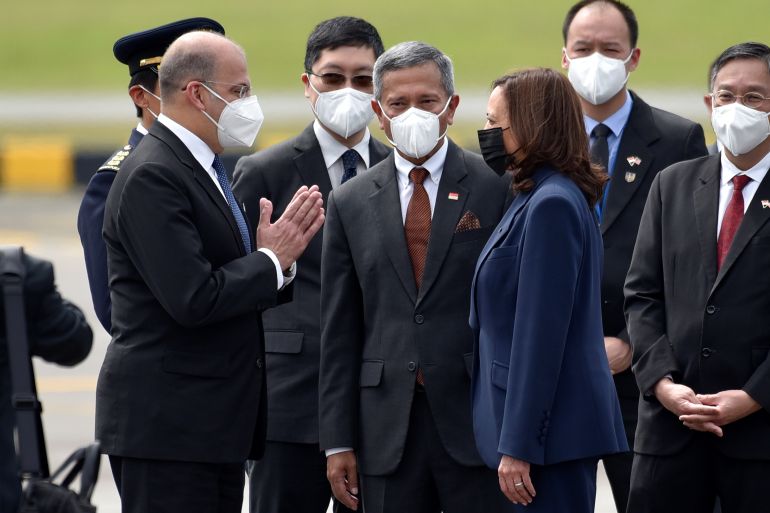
(243, 90)
(751, 100)
(337, 80)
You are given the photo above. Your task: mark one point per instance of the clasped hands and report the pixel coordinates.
(288, 237)
(704, 412)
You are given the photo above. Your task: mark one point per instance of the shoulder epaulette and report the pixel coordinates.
(116, 160)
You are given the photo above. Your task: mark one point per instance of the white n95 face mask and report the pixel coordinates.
(415, 132)
(239, 122)
(740, 129)
(597, 78)
(344, 111)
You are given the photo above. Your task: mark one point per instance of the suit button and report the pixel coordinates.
(411, 366)
(259, 363)
(706, 352)
(711, 309)
(419, 319)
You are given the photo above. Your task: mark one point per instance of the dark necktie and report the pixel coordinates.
(224, 182)
(600, 154)
(349, 164)
(732, 218)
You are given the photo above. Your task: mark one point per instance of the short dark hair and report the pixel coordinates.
(341, 31)
(147, 78)
(628, 15)
(750, 50)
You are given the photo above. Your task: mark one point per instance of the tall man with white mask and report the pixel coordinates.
(399, 253)
(697, 305)
(633, 141)
(340, 55)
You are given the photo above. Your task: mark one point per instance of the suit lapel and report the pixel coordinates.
(756, 216)
(446, 215)
(386, 205)
(705, 201)
(310, 163)
(377, 151)
(640, 131)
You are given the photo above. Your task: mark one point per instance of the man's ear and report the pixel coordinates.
(707, 102)
(138, 96)
(378, 111)
(452, 109)
(193, 93)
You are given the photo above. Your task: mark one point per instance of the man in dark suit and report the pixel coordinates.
(339, 60)
(399, 252)
(142, 52)
(697, 305)
(633, 141)
(58, 333)
(180, 399)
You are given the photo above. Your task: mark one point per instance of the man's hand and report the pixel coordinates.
(682, 401)
(619, 354)
(288, 237)
(515, 483)
(342, 473)
(728, 406)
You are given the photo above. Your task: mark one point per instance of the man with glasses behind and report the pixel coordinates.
(697, 305)
(340, 55)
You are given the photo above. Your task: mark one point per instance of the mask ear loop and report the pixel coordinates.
(207, 114)
(151, 94)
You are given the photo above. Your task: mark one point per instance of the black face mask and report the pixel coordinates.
(493, 150)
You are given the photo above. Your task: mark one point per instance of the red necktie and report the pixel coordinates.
(417, 231)
(732, 219)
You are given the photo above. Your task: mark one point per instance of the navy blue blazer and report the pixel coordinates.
(541, 386)
(90, 220)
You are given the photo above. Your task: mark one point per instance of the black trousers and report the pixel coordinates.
(158, 486)
(618, 469)
(428, 480)
(290, 478)
(692, 479)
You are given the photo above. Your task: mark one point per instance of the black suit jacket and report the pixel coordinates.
(292, 331)
(376, 329)
(57, 332)
(706, 328)
(658, 139)
(183, 376)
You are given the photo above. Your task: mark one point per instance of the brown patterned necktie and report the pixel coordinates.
(417, 224)
(417, 230)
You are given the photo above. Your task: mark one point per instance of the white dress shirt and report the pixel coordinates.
(332, 151)
(140, 128)
(756, 173)
(205, 157)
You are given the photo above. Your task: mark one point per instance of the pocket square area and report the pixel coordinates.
(468, 222)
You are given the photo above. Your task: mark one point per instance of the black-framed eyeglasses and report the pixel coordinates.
(338, 80)
(752, 100)
(243, 90)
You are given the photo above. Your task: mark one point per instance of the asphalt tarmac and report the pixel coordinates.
(45, 226)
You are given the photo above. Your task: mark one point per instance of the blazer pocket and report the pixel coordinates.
(471, 235)
(371, 373)
(468, 357)
(203, 365)
(286, 342)
(503, 252)
(758, 356)
(499, 374)
(760, 241)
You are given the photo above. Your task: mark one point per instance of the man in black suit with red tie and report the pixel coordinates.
(337, 146)
(697, 305)
(634, 141)
(180, 401)
(400, 247)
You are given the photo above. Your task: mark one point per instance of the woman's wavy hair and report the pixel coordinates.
(547, 121)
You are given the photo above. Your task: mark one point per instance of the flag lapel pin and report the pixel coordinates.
(630, 176)
(765, 204)
(633, 160)
(454, 196)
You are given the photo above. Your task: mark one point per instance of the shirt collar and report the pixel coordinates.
(332, 149)
(140, 128)
(756, 173)
(199, 149)
(434, 165)
(617, 121)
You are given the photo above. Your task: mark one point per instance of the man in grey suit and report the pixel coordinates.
(339, 60)
(400, 247)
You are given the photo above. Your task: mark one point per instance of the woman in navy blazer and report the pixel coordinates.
(544, 404)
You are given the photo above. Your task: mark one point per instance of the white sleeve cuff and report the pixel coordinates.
(337, 450)
(278, 271)
(292, 273)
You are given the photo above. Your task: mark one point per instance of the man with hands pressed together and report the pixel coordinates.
(697, 305)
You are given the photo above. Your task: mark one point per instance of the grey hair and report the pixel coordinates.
(750, 50)
(409, 55)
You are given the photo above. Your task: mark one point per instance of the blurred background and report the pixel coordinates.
(64, 109)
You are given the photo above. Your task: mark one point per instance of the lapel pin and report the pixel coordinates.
(633, 160)
(765, 204)
(630, 177)
(454, 196)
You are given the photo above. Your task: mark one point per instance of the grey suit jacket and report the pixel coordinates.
(377, 328)
(292, 330)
